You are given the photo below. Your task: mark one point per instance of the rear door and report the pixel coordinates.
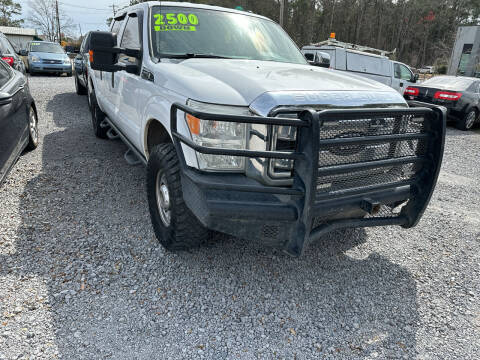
(13, 116)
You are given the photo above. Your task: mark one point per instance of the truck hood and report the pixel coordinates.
(240, 82)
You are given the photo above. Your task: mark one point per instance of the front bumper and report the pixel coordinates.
(49, 68)
(393, 190)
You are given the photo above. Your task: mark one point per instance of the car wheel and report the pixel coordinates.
(468, 120)
(97, 116)
(79, 88)
(32, 129)
(176, 228)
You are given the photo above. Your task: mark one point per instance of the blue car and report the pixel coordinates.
(47, 57)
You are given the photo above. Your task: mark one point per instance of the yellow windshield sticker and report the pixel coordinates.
(175, 22)
(34, 43)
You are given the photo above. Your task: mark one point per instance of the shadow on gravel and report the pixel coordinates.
(115, 293)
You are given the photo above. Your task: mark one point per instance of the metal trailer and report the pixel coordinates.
(465, 59)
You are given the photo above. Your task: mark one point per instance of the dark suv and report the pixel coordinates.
(9, 55)
(80, 64)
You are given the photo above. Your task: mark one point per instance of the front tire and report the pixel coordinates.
(79, 88)
(467, 122)
(175, 226)
(97, 116)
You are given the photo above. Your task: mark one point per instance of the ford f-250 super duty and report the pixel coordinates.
(240, 135)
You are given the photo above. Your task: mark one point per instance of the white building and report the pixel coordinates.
(19, 37)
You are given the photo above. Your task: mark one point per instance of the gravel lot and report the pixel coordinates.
(83, 277)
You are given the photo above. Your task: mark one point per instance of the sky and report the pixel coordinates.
(89, 14)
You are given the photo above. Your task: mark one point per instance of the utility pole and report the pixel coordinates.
(80, 27)
(282, 11)
(59, 33)
(113, 7)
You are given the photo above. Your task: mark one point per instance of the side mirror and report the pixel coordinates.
(103, 53)
(414, 78)
(321, 59)
(23, 52)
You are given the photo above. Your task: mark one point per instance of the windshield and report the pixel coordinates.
(453, 83)
(179, 31)
(46, 48)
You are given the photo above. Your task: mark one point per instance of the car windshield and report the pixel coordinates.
(178, 31)
(453, 83)
(46, 48)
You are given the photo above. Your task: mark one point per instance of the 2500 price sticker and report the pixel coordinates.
(172, 22)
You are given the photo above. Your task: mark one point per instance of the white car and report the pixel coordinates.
(239, 134)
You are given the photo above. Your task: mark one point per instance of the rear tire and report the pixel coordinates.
(468, 121)
(32, 129)
(79, 88)
(175, 226)
(97, 116)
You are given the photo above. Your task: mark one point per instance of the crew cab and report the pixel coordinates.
(240, 135)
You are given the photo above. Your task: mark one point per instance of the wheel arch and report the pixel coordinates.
(155, 133)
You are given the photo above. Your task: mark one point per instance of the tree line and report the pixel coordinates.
(421, 31)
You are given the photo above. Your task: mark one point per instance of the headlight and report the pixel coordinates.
(218, 134)
(34, 58)
(67, 61)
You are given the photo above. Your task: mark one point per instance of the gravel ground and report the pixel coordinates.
(83, 277)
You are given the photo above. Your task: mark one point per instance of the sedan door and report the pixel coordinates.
(13, 117)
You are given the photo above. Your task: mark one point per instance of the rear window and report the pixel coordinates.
(5, 47)
(453, 83)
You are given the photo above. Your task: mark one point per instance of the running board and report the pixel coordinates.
(112, 134)
(137, 155)
(131, 158)
(104, 124)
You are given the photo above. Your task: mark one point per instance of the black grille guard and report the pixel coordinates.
(417, 188)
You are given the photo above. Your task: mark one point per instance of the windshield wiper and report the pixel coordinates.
(192, 55)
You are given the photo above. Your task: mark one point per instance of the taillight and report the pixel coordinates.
(447, 95)
(8, 59)
(412, 91)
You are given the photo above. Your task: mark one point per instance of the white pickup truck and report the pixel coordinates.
(240, 135)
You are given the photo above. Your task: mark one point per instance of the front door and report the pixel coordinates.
(129, 91)
(13, 116)
(403, 77)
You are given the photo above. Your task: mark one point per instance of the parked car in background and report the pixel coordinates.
(364, 61)
(9, 54)
(80, 65)
(18, 118)
(427, 70)
(460, 95)
(47, 57)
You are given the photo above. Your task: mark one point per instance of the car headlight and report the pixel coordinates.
(218, 134)
(34, 58)
(67, 61)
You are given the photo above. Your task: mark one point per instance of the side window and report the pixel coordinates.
(82, 47)
(5, 74)
(402, 72)
(310, 56)
(130, 39)
(116, 27)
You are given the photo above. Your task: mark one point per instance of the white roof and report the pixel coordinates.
(10, 30)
